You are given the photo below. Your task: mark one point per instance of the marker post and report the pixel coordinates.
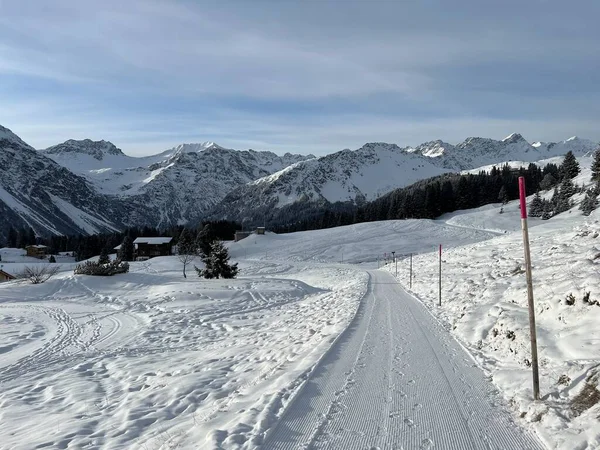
(532, 332)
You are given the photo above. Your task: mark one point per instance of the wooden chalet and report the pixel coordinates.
(149, 247)
(37, 251)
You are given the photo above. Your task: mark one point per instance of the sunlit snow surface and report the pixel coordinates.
(151, 360)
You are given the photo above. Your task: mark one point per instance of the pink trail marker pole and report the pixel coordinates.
(440, 279)
(532, 332)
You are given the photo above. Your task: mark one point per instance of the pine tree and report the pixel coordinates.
(569, 167)
(596, 166)
(536, 207)
(548, 209)
(589, 203)
(12, 237)
(104, 259)
(567, 189)
(127, 249)
(217, 264)
(204, 239)
(503, 195)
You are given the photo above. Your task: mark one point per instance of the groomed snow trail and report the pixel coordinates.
(395, 379)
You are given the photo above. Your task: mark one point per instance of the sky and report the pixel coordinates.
(312, 76)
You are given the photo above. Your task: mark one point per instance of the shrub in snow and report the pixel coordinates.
(108, 269)
(39, 273)
(564, 380)
(587, 301)
(588, 397)
(52, 259)
(547, 182)
(570, 300)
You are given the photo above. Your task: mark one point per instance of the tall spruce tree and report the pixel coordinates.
(569, 167)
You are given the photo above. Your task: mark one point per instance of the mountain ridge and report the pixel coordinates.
(85, 186)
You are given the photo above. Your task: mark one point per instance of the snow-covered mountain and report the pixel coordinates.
(477, 152)
(35, 191)
(179, 185)
(90, 186)
(360, 175)
(378, 168)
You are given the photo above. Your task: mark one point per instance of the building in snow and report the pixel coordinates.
(239, 235)
(149, 247)
(5, 276)
(37, 251)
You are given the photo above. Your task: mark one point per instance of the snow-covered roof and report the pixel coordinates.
(37, 246)
(152, 240)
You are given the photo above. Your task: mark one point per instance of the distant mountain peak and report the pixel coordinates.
(197, 147)
(514, 138)
(7, 135)
(96, 149)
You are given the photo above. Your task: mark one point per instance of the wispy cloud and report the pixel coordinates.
(297, 76)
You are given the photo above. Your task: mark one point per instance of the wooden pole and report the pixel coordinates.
(410, 280)
(532, 332)
(440, 279)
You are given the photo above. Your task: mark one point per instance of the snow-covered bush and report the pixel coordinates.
(108, 269)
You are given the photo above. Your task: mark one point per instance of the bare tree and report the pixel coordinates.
(187, 249)
(40, 273)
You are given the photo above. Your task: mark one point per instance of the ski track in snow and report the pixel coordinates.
(397, 380)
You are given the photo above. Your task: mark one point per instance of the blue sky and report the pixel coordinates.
(298, 76)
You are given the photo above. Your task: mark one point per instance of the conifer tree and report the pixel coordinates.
(589, 203)
(104, 259)
(127, 249)
(596, 166)
(569, 167)
(503, 195)
(217, 263)
(536, 207)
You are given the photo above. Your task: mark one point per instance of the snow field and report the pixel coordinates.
(150, 360)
